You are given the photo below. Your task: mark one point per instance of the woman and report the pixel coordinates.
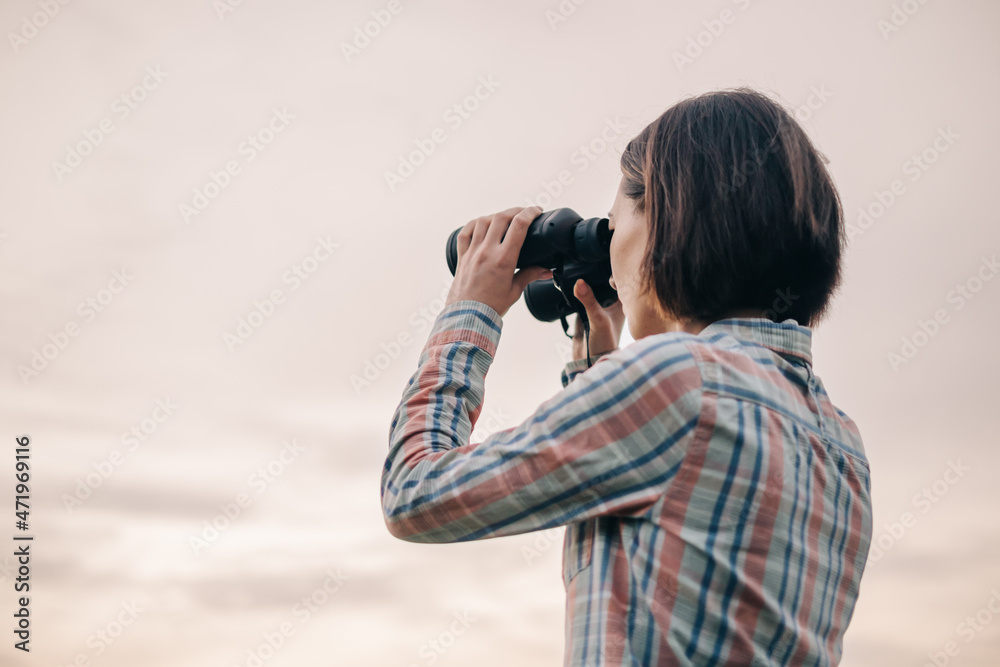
(717, 503)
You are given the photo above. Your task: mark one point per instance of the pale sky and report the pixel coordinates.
(170, 167)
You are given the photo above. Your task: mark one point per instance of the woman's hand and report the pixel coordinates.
(605, 324)
(486, 264)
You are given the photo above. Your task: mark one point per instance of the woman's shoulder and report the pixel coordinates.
(671, 355)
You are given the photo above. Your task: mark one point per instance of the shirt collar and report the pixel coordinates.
(788, 338)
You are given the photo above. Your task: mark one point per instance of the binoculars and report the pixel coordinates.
(572, 248)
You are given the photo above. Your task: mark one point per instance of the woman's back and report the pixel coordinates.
(753, 552)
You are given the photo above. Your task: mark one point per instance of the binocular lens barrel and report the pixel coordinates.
(573, 248)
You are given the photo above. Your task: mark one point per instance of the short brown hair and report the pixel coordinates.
(742, 212)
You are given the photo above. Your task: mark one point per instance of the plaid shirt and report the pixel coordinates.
(716, 503)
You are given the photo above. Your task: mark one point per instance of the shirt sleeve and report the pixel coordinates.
(609, 443)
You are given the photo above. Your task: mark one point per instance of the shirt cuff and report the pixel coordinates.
(577, 366)
(467, 321)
